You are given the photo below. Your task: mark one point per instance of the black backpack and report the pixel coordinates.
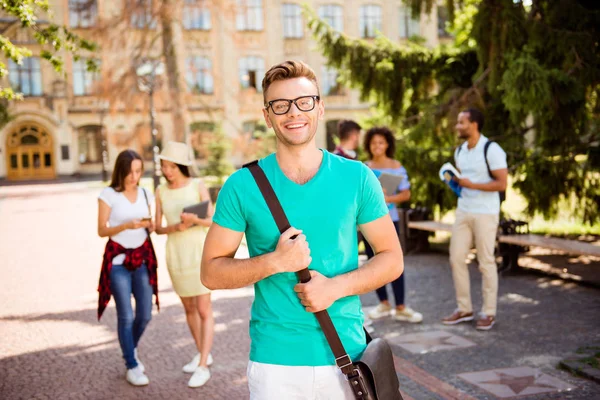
(502, 194)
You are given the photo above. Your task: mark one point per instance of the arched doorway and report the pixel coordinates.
(29, 153)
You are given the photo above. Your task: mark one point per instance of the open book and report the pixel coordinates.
(447, 173)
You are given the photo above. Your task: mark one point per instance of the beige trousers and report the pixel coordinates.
(483, 228)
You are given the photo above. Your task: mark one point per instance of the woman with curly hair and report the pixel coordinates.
(380, 145)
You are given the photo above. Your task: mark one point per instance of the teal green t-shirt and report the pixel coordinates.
(328, 208)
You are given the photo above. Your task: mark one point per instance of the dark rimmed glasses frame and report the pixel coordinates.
(279, 105)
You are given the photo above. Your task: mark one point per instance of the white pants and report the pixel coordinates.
(279, 382)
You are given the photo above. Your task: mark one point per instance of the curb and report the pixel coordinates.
(581, 369)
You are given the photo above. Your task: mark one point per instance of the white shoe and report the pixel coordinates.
(381, 311)
(190, 367)
(135, 355)
(200, 377)
(136, 377)
(408, 315)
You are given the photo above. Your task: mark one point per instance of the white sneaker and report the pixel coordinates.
(190, 367)
(135, 355)
(136, 377)
(408, 315)
(381, 311)
(200, 377)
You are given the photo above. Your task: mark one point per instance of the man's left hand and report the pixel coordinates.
(317, 294)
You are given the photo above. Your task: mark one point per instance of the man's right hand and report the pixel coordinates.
(292, 255)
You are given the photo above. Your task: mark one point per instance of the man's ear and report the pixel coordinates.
(321, 110)
(266, 116)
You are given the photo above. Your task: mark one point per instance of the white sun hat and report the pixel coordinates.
(178, 153)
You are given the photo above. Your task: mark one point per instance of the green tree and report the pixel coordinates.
(533, 69)
(53, 38)
(218, 163)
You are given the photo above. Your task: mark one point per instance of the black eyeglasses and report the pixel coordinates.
(282, 106)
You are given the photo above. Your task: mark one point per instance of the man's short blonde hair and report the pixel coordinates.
(288, 70)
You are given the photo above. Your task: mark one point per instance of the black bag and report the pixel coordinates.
(374, 376)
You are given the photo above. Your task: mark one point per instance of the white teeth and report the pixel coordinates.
(295, 126)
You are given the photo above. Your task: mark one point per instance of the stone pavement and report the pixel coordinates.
(53, 347)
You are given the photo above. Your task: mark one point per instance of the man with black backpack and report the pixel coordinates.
(483, 169)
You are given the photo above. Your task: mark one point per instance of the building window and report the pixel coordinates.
(27, 77)
(82, 13)
(252, 71)
(84, 80)
(442, 14)
(408, 26)
(196, 15)
(292, 21)
(141, 14)
(198, 75)
(369, 20)
(329, 83)
(90, 144)
(333, 15)
(23, 36)
(249, 15)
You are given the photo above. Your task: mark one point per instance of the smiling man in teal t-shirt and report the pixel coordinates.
(325, 198)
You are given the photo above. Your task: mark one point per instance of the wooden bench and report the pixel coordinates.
(568, 246)
(512, 245)
(431, 226)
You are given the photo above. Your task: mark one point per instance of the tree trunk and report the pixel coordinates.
(172, 37)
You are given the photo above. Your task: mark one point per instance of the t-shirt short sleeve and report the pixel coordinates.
(371, 202)
(229, 212)
(107, 195)
(496, 157)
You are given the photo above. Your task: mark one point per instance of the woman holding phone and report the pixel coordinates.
(186, 234)
(381, 147)
(129, 262)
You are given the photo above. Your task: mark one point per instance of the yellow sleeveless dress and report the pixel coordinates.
(184, 249)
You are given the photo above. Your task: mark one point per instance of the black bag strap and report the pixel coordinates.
(487, 163)
(149, 211)
(342, 359)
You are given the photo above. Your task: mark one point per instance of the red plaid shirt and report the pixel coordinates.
(134, 258)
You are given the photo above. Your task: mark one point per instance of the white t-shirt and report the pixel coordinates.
(122, 211)
(471, 163)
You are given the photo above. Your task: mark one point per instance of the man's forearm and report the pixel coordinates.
(233, 273)
(379, 270)
(493, 186)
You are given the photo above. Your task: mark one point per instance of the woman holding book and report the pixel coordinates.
(186, 234)
(380, 145)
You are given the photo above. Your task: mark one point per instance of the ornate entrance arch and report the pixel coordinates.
(29, 153)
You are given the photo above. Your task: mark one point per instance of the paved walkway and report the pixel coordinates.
(52, 347)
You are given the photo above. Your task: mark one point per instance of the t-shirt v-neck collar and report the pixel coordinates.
(312, 180)
(478, 145)
(137, 198)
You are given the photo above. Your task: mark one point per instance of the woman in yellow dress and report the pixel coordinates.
(186, 234)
